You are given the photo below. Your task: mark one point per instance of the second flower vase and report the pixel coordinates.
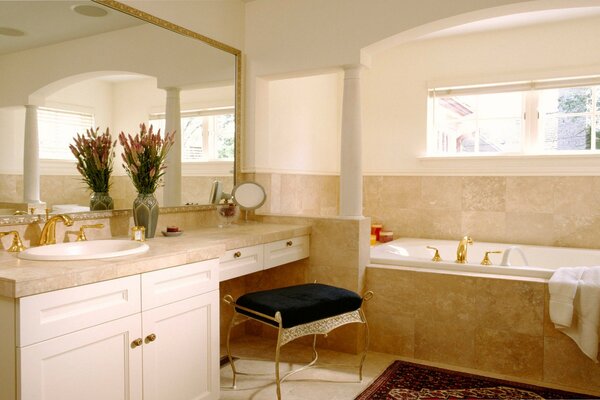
(145, 213)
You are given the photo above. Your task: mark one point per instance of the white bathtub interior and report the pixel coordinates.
(518, 259)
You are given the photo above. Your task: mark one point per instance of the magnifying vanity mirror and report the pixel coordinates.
(104, 64)
(249, 196)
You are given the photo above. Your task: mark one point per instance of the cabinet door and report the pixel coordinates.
(97, 363)
(181, 349)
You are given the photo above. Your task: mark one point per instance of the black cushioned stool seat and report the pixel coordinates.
(296, 311)
(300, 304)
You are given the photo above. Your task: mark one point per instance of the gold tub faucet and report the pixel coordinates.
(461, 251)
(48, 235)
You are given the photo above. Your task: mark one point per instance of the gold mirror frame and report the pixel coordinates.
(25, 219)
(144, 16)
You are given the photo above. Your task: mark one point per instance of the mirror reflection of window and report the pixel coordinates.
(56, 130)
(207, 135)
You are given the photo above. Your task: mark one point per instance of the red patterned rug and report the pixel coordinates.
(407, 381)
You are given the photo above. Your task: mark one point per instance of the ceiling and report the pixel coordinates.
(518, 20)
(47, 22)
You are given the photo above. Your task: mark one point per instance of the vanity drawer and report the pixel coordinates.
(47, 315)
(285, 251)
(238, 262)
(177, 283)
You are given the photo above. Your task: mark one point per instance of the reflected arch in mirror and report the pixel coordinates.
(19, 83)
(249, 196)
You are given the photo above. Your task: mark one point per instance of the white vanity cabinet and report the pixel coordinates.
(246, 260)
(152, 336)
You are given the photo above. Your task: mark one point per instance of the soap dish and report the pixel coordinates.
(165, 233)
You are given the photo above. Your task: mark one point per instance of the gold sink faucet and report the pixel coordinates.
(17, 244)
(48, 235)
(461, 251)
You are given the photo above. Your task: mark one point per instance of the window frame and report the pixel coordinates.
(532, 137)
(64, 111)
(202, 113)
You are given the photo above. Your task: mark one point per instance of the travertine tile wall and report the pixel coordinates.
(556, 211)
(310, 195)
(496, 326)
(543, 210)
(69, 189)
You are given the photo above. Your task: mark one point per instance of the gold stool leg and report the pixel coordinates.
(365, 348)
(228, 349)
(277, 354)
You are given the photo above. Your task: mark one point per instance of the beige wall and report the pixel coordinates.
(395, 94)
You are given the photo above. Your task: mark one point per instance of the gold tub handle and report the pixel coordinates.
(486, 259)
(436, 256)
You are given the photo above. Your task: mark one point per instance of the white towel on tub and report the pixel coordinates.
(562, 287)
(583, 326)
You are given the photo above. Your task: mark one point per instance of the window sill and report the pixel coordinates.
(514, 164)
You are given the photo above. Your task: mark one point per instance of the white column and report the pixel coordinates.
(172, 189)
(31, 157)
(351, 154)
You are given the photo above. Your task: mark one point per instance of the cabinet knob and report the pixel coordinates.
(237, 254)
(136, 343)
(289, 243)
(150, 338)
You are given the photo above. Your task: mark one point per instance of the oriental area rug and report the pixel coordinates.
(404, 381)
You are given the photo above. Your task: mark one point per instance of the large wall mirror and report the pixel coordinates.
(105, 64)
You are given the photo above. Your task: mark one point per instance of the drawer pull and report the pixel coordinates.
(136, 343)
(150, 338)
(237, 254)
(289, 243)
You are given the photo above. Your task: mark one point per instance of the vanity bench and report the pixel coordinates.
(297, 311)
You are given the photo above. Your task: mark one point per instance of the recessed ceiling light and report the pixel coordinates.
(10, 31)
(89, 11)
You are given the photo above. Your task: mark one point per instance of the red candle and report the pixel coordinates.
(376, 230)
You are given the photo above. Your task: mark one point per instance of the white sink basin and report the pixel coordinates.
(88, 250)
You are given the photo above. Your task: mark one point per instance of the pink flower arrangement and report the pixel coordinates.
(143, 157)
(94, 154)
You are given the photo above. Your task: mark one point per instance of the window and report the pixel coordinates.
(530, 118)
(207, 135)
(568, 116)
(56, 130)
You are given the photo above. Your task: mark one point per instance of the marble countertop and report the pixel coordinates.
(19, 278)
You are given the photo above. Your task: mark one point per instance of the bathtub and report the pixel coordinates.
(515, 260)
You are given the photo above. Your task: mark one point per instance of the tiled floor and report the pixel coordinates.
(331, 383)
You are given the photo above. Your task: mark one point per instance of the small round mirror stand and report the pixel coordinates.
(248, 196)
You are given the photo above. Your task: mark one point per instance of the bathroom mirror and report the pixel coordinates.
(120, 51)
(249, 196)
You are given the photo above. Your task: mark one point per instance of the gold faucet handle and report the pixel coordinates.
(17, 244)
(486, 259)
(81, 235)
(436, 256)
